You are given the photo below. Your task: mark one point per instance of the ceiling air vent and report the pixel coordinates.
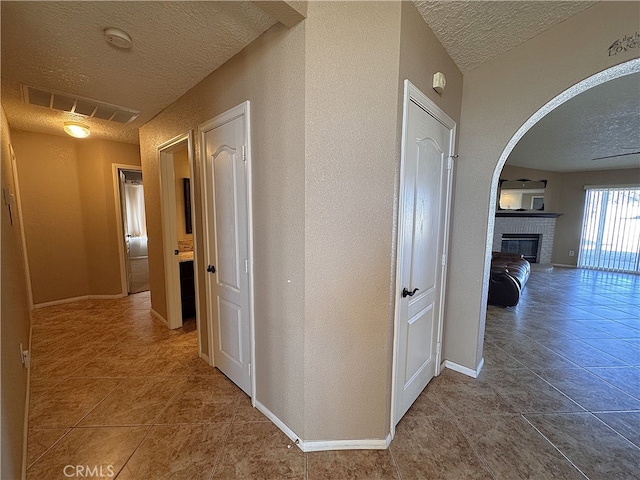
(76, 104)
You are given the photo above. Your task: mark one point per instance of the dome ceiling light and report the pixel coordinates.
(77, 130)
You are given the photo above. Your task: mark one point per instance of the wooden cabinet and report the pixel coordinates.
(187, 290)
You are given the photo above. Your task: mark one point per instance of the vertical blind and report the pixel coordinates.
(610, 237)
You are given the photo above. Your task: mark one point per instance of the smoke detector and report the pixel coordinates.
(117, 38)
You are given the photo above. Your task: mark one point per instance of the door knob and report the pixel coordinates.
(407, 293)
(211, 269)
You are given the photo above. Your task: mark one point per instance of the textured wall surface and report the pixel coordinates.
(270, 74)
(475, 32)
(52, 208)
(98, 203)
(498, 97)
(351, 114)
(66, 188)
(15, 324)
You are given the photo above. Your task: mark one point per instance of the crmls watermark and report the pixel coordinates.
(88, 471)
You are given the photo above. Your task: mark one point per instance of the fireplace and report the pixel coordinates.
(526, 244)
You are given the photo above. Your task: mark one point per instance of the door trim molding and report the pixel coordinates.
(240, 110)
(412, 93)
(169, 230)
(23, 238)
(115, 168)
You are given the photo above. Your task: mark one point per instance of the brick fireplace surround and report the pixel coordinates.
(533, 223)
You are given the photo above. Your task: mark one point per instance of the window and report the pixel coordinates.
(610, 237)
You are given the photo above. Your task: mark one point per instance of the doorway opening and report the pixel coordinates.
(178, 235)
(132, 229)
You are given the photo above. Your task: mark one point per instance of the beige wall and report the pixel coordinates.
(569, 225)
(352, 61)
(66, 188)
(498, 97)
(326, 112)
(98, 203)
(270, 74)
(182, 170)
(16, 323)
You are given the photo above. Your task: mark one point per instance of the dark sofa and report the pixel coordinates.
(509, 273)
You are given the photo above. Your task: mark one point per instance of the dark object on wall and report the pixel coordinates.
(186, 182)
(509, 273)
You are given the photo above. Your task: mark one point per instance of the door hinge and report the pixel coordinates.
(450, 162)
(438, 348)
(246, 266)
(249, 368)
(444, 259)
(244, 153)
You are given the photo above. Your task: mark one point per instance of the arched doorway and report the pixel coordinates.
(627, 68)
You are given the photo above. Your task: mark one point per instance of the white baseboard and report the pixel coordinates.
(107, 297)
(62, 301)
(464, 370)
(365, 444)
(279, 423)
(159, 317)
(324, 445)
(563, 265)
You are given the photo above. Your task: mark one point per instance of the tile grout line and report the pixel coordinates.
(453, 418)
(555, 447)
(223, 443)
(395, 463)
(134, 451)
(480, 458)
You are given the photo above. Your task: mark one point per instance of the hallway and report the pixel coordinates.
(559, 397)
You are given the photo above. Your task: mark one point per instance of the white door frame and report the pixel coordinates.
(170, 232)
(240, 110)
(23, 238)
(115, 168)
(411, 93)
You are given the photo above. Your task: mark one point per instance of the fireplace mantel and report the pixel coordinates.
(526, 213)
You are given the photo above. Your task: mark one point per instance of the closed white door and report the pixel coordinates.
(224, 143)
(423, 217)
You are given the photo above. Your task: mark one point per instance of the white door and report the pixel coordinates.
(227, 248)
(423, 216)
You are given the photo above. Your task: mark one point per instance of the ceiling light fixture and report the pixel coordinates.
(77, 130)
(117, 38)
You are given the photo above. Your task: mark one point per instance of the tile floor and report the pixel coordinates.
(559, 397)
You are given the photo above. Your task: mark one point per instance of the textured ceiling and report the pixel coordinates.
(473, 32)
(60, 46)
(600, 122)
